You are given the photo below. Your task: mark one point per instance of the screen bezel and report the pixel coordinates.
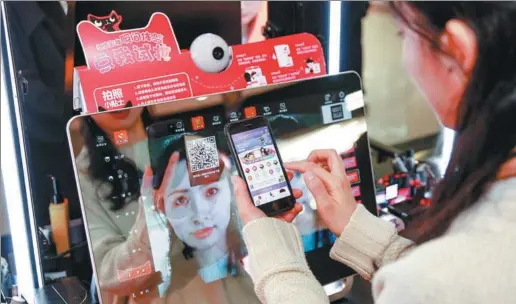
(325, 269)
(277, 206)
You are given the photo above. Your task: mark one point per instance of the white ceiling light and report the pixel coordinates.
(334, 30)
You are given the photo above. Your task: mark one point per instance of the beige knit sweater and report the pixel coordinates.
(474, 262)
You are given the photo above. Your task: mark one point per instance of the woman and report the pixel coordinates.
(200, 215)
(124, 226)
(110, 169)
(462, 57)
(203, 215)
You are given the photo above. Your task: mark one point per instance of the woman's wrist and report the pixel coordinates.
(338, 228)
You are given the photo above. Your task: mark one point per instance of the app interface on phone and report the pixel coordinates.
(261, 165)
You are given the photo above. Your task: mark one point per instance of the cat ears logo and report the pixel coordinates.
(109, 23)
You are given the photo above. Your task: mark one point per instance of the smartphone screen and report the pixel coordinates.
(261, 166)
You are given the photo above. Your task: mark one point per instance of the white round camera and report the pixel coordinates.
(210, 53)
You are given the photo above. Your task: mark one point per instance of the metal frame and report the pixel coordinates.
(16, 176)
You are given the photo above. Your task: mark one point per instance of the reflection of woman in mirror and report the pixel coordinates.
(110, 173)
(102, 157)
(203, 216)
(110, 168)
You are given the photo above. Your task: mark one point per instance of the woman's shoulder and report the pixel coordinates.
(504, 193)
(494, 213)
(450, 269)
(478, 247)
(82, 161)
(446, 267)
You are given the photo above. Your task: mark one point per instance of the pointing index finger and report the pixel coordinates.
(299, 166)
(331, 158)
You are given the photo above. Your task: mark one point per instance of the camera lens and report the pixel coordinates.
(218, 53)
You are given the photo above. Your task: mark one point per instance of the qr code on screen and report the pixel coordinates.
(202, 154)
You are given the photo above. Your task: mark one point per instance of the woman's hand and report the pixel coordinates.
(325, 176)
(158, 193)
(249, 212)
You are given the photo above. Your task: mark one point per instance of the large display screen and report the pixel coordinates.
(189, 234)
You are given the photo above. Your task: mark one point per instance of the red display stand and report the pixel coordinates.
(146, 66)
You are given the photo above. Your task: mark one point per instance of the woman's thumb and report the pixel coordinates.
(246, 208)
(238, 185)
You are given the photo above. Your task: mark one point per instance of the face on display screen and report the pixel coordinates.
(198, 205)
(261, 166)
(199, 215)
(198, 200)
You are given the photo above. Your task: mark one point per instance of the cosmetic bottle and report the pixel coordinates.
(398, 164)
(59, 219)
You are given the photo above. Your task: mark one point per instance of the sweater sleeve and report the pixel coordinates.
(117, 255)
(278, 266)
(368, 243)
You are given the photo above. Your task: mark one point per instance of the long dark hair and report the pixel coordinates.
(99, 170)
(486, 122)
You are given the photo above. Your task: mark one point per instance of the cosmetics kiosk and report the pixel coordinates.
(40, 56)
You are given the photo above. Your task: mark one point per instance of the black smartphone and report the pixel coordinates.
(159, 134)
(259, 164)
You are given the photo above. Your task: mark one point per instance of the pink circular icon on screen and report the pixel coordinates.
(254, 168)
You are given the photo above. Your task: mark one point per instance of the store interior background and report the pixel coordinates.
(397, 114)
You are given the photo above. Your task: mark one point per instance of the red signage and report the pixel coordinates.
(121, 137)
(353, 177)
(145, 66)
(250, 112)
(197, 123)
(133, 273)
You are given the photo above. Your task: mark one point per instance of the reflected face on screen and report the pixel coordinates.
(199, 215)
